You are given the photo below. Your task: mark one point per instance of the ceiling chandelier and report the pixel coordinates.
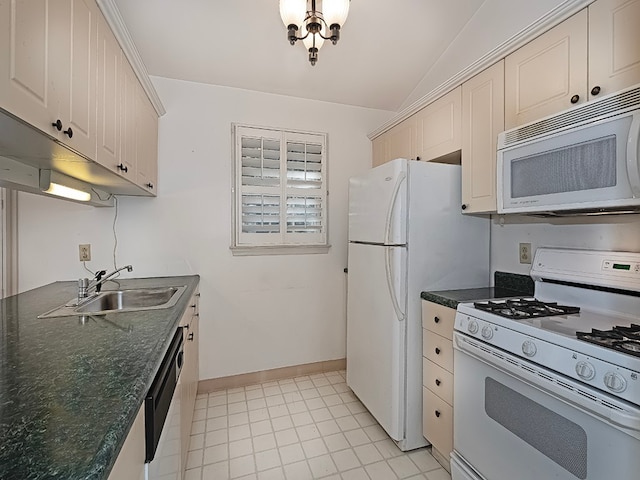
(318, 17)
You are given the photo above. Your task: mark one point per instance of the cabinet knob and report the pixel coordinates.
(595, 90)
(123, 168)
(464, 206)
(57, 124)
(575, 99)
(186, 327)
(437, 414)
(418, 158)
(438, 382)
(193, 306)
(68, 132)
(437, 351)
(436, 319)
(149, 185)
(190, 337)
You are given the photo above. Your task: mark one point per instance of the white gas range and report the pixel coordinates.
(548, 387)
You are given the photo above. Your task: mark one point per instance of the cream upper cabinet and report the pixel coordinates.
(47, 68)
(439, 126)
(109, 106)
(482, 121)
(595, 52)
(146, 143)
(378, 153)
(614, 45)
(128, 116)
(397, 142)
(548, 74)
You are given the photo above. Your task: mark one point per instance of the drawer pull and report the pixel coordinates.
(438, 382)
(436, 319)
(437, 351)
(437, 413)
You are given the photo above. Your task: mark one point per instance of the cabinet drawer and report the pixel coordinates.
(438, 349)
(437, 422)
(438, 380)
(438, 319)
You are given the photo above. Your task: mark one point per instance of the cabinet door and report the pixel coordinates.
(614, 45)
(482, 121)
(378, 150)
(543, 76)
(439, 126)
(146, 143)
(24, 61)
(401, 140)
(80, 112)
(128, 123)
(190, 373)
(109, 84)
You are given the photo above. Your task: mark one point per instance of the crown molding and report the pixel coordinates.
(544, 23)
(114, 19)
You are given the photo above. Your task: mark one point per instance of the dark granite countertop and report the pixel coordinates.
(69, 392)
(506, 285)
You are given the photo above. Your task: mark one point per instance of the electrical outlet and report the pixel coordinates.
(85, 252)
(525, 252)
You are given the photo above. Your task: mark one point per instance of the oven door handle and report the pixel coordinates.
(560, 388)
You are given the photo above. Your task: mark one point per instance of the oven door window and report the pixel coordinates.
(556, 437)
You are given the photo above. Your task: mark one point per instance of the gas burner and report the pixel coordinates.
(520, 308)
(622, 339)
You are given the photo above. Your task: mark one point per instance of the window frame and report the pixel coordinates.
(283, 242)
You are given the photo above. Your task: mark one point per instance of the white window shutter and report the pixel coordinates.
(280, 188)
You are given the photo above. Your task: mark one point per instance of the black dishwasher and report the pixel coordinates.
(158, 400)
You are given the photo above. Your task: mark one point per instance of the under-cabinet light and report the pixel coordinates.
(68, 192)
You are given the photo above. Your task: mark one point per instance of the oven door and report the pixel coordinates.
(516, 420)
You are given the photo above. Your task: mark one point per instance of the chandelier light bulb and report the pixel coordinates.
(293, 12)
(335, 11)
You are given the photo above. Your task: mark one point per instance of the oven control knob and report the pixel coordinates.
(487, 332)
(585, 370)
(614, 382)
(472, 327)
(529, 348)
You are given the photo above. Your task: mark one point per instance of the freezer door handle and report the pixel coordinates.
(390, 284)
(392, 205)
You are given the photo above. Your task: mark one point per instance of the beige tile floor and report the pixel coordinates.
(308, 427)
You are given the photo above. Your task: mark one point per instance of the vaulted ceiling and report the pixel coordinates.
(386, 47)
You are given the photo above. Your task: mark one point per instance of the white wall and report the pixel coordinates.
(484, 32)
(611, 232)
(257, 312)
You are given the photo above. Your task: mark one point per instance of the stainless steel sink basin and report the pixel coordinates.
(121, 301)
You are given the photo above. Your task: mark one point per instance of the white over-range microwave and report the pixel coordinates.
(585, 160)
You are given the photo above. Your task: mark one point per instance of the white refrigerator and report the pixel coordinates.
(406, 235)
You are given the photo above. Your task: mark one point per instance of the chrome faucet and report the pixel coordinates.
(85, 287)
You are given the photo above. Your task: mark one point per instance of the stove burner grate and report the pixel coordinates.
(623, 339)
(521, 308)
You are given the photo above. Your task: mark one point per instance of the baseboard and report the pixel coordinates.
(244, 379)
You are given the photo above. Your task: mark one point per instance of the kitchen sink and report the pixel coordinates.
(130, 300)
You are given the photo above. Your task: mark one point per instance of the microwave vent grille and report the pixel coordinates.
(615, 104)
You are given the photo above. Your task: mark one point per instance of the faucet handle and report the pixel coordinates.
(99, 275)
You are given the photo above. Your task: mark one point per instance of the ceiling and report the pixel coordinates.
(386, 47)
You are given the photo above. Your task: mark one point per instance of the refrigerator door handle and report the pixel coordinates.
(394, 198)
(390, 284)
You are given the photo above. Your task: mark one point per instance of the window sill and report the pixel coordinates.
(279, 250)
